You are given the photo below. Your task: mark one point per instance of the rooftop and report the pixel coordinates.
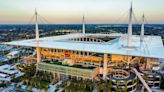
(152, 46)
(4, 47)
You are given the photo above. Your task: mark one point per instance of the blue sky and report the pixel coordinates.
(71, 11)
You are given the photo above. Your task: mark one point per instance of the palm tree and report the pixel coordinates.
(3, 84)
(103, 86)
(162, 82)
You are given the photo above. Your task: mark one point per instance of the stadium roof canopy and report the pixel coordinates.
(152, 46)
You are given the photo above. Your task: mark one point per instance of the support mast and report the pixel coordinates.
(83, 21)
(142, 27)
(37, 39)
(36, 25)
(130, 27)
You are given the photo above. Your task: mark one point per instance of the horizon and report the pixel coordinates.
(67, 12)
(76, 24)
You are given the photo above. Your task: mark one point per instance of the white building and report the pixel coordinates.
(13, 54)
(7, 72)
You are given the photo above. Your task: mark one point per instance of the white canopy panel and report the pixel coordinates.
(152, 46)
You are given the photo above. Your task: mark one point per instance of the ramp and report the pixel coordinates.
(141, 79)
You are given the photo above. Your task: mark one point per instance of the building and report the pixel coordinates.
(4, 49)
(8, 72)
(122, 58)
(13, 54)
